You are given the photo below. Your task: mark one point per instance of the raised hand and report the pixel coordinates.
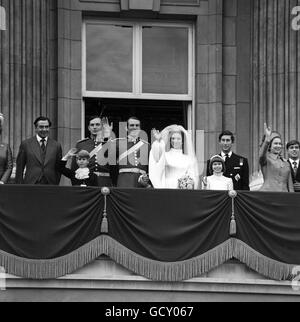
(107, 129)
(268, 131)
(72, 153)
(156, 134)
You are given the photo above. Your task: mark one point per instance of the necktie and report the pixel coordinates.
(226, 157)
(43, 145)
(295, 167)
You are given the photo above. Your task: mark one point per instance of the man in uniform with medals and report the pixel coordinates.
(133, 157)
(99, 138)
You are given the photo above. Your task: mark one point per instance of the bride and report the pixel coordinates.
(172, 161)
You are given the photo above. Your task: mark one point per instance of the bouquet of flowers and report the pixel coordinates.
(186, 183)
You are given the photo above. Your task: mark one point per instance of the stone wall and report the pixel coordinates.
(28, 67)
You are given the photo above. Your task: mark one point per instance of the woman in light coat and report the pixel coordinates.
(276, 170)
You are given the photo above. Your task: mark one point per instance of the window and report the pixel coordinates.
(165, 60)
(109, 58)
(138, 60)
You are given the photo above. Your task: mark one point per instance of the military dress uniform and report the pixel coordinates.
(103, 172)
(133, 158)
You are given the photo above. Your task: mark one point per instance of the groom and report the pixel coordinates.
(132, 157)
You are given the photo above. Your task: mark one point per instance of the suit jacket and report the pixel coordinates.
(30, 156)
(6, 162)
(237, 169)
(295, 177)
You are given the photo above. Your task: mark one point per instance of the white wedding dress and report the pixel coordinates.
(167, 167)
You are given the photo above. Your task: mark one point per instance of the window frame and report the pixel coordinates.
(137, 76)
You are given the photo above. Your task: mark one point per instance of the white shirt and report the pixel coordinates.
(39, 139)
(224, 155)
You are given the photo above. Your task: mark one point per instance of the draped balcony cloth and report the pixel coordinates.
(165, 235)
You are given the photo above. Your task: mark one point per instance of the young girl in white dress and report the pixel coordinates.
(172, 163)
(217, 181)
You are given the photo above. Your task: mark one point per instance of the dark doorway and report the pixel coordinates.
(153, 114)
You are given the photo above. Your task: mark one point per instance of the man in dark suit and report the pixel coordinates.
(237, 167)
(293, 149)
(40, 155)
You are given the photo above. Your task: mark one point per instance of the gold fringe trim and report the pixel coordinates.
(261, 264)
(105, 245)
(52, 268)
(154, 270)
(171, 271)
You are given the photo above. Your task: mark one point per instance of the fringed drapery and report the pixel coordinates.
(46, 236)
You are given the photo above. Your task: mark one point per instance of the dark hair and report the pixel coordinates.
(93, 117)
(133, 118)
(293, 142)
(210, 169)
(226, 133)
(42, 118)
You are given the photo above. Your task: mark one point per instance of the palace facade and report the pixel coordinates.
(208, 65)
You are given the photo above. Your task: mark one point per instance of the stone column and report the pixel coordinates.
(69, 73)
(27, 55)
(209, 74)
(276, 71)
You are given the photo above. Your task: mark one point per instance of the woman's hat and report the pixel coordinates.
(275, 135)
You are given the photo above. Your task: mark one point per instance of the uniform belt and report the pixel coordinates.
(102, 174)
(132, 170)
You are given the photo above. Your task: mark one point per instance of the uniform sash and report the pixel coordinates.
(96, 150)
(136, 147)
